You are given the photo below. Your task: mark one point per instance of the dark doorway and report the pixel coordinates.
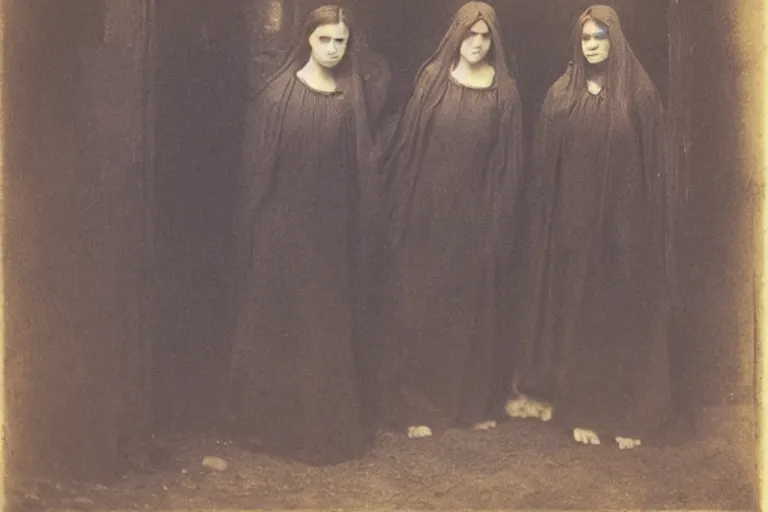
(206, 57)
(201, 93)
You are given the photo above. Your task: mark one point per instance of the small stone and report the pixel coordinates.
(418, 432)
(215, 463)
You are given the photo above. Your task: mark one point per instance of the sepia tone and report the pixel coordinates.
(122, 127)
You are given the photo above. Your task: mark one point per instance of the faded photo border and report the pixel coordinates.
(752, 36)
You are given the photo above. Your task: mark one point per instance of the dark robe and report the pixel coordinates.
(450, 186)
(598, 258)
(376, 81)
(296, 377)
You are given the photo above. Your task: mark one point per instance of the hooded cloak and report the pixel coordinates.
(599, 238)
(451, 176)
(296, 382)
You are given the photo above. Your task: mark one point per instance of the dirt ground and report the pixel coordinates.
(522, 464)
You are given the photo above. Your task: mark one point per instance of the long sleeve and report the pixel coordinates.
(259, 157)
(506, 173)
(652, 129)
(397, 169)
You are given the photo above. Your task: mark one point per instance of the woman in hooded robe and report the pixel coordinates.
(600, 240)
(296, 386)
(452, 168)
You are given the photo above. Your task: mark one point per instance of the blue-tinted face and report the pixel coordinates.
(595, 43)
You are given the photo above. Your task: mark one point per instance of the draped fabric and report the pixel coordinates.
(598, 235)
(451, 174)
(297, 383)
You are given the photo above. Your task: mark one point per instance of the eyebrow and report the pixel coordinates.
(482, 32)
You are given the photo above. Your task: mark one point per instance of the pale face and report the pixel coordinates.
(477, 43)
(595, 43)
(329, 43)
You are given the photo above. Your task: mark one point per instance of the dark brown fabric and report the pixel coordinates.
(296, 379)
(452, 171)
(599, 239)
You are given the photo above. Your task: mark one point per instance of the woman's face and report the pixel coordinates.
(329, 43)
(595, 43)
(477, 44)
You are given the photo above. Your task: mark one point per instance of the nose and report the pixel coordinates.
(332, 48)
(592, 44)
(477, 41)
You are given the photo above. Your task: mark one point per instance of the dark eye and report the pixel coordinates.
(325, 39)
(341, 40)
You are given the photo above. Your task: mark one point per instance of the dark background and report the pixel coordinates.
(120, 164)
(203, 77)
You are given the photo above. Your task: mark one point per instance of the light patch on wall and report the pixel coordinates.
(273, 16)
